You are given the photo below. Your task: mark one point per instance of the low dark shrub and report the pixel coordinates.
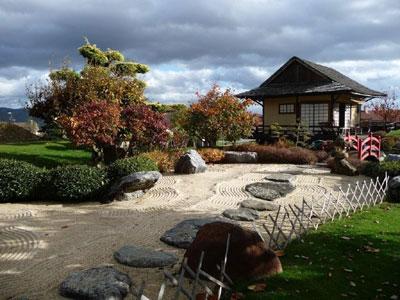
(126, 166)
(388, 143)
(321, 155)
(271, 154)
(19, 180)
(376, 169)
(75, 183)
(211, 155)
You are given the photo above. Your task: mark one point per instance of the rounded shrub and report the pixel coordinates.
(19, 180)
(76, 183)
(126, 166)
(376, 169)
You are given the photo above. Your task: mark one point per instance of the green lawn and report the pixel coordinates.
(395, 133)
(357, 258)
(48, 154)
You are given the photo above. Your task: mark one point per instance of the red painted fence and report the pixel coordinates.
(368, 147)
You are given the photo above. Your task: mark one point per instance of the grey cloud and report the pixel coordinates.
(228, 37)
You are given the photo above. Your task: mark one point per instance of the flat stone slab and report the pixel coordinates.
(184, 233)
(269, 190)
(96, 283)
(234, 157)
(259, 205)
(281, 177)
(241, 214)
(141, 257)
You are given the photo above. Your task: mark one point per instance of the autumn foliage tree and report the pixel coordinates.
(219, 114)
(102, 106)
(387, 108)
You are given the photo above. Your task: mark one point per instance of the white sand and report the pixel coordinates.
(40, 244)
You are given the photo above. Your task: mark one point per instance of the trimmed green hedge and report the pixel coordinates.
(19, 180)
(22, 181)
(126, 166)
(76, 183)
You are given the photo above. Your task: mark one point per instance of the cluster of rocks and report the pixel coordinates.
(249, 258)
(274, 186)
(248, 254)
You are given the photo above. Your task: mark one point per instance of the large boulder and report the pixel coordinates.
(191, 162)
(96, 283)
(269, 190)
(141, 257)
(183, 233)
(241, 214)
(248, 256)
(132, 183)
(259, 205)
(394, 189)
(234, 157)
(343, 167)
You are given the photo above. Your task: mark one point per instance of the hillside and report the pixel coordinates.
(20, 115)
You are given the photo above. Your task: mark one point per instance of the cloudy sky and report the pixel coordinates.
(190, 45)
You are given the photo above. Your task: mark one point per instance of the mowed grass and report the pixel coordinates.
(354, 258)
(47, 154)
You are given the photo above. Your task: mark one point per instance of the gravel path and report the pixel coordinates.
(41, 243)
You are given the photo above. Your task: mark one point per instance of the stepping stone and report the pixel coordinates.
(269, 190)
(184, 233)
(280, 177)
(259, 205)
(141, 257)
(241, 214)
(96, 283)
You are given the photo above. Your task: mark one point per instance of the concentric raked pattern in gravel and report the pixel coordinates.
(40, 244)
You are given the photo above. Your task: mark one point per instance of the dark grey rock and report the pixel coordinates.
(190, 163)
(280, 177)
(140, 257)
(269, 190)
(234, 157)
(259, 205)
(394, 189)
(393, 157)
(96, 283)
(241, 214)
(131, 183)
(184, 233)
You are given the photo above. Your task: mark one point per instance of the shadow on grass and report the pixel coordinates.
(346, 259)
(46, 160)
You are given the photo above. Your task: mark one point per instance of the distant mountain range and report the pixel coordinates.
(18, 115)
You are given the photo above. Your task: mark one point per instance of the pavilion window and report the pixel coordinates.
(286, 108)
(313, 114)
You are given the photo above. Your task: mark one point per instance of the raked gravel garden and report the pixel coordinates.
(42, 243)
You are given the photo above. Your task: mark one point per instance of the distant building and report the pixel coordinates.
(317, 96)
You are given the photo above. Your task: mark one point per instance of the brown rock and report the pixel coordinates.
(343, 167)
(248, 257)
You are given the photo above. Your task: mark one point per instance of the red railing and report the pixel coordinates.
(368, 147)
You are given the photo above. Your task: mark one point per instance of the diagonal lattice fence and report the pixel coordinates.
(292, 221)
